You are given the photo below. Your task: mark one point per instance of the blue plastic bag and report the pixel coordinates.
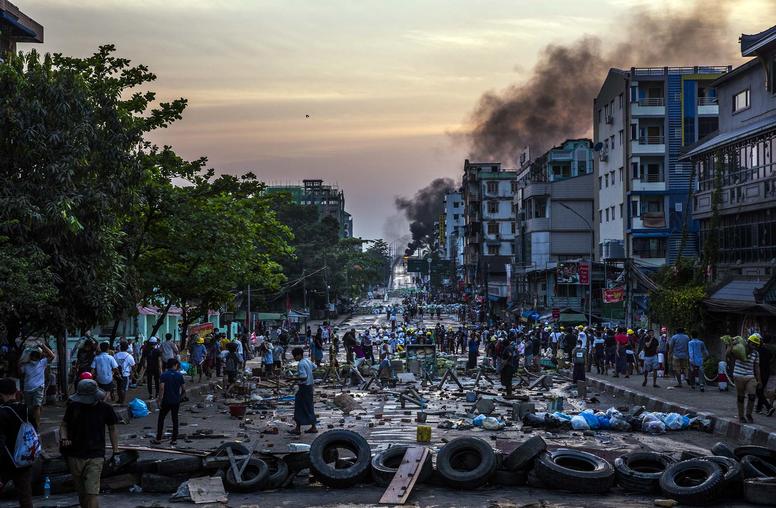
(591, 419)
(477, 420)
(138, 408)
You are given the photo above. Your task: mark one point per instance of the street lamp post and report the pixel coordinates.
(592, 249)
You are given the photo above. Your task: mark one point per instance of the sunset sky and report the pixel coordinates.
(385, 83)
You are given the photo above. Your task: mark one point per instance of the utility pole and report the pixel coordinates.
(326, 283)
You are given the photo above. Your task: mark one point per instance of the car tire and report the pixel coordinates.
(693, 482)
(760, 452)
(575, 471)
(253, 477)
(524, 455)
(179, 465)
(732, 472)
(641, 471)
(760, 490)
(237, 449)
(723, 450)
(326, 472)
(278, 472)
(386, 463)
(509, 478)
(466, 462)
(756, 467)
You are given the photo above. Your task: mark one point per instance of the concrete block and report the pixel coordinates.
(485, 406)
(733, 429)
(720, 426)
(746, 434)
(520, 409)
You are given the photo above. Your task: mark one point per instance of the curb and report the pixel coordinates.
(724, 427)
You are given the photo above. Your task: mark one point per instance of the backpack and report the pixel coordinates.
(27, 445)
(232, 362)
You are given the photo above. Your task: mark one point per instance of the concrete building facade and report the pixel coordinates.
(454, 227)
(328, 199)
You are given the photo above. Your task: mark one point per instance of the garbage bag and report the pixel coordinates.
(534, 420)
(654, 427)
(590, 418)
(578, 422)
(492, 423)
(619, 423)
(478, 420)
(138, 408)
(739, 349)
(561, 416)
(603, 422)
(613, 413)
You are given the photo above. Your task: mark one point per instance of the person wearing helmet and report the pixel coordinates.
(198, 355)
(679, 354)
(746, 376)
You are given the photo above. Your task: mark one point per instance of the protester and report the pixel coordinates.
(198, 356)
(126, 363)
(84, 355)
(679, 355)
(579, 361)
(170, 394)
(152, 360)
(82, 439)
(104, 368)
(651, 360)
(474, 348)
(621, 363)
(304, 410)
(12, 415)
(697, 352)
(168, 348)
(746, 377)
(231, 362)
(509, 364)
(34, 380)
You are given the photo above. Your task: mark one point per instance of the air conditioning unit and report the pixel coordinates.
(610, 119)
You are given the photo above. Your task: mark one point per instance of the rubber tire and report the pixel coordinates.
(732, 472)
(480, 453)
(756, 467)
(556, 475)
(760, 491)
(723, 450)
(636, 480)
(339, 478)
(509, 478)
(524, 455)
(256, 472)
(179, 465)
(237, 449)
(297, 461)
(701, 494)
(278, 472)
(757, 451)
(383, 472)
(144, 466)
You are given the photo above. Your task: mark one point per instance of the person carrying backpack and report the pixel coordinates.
(12, 416)
(231, 363)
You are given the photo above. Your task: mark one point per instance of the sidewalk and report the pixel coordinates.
(719, 407)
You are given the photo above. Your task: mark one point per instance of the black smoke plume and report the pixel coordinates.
(423, 209)
(556, 101)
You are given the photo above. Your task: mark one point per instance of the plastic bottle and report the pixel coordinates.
(46, 488)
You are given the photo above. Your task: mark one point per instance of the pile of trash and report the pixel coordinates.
(637, 420)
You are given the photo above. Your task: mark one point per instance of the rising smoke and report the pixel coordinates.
(423, 209)
(556, 101)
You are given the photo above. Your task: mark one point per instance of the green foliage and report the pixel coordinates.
(679, 299)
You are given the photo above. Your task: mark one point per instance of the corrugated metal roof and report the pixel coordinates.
(739, 290)
(751, 43)
(725, 138)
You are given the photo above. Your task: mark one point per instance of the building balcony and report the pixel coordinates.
(653, 183)
(649, 106)
(649, 220)
(743, 190)
(649, 145)
(537, 224)
(708, 106)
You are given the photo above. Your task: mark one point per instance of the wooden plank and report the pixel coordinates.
(208, 489)
(193, 453)
(404, 480)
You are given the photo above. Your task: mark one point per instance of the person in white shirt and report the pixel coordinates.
(126, 363)
(304, 408)
(34, 374)
(104, 367)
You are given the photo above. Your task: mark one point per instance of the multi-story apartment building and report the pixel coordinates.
(739, 163)
(642, 118)
(16, 27)
(453, 221)
(554, 205)
(487, 195)
(328, 199)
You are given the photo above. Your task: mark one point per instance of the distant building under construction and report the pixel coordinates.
(328, 199)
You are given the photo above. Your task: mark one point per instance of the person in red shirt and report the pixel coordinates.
(621, 338)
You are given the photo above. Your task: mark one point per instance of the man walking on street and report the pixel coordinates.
(746, 376)
(679, 355)
(579, 360)
(104, 368)
(34, 373)
(304, 407)
(12, 415)
(170, 395)
(169, 349)
(82, 439)
(698, 352)
(126, 363)
(651, 362)
(153, 366)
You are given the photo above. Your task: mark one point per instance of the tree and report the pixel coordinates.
(678, 301)
(71, 137)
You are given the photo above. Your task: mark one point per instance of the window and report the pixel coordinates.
(456, 204)
(635, 170)
(634, 208)
(455, 216)
(561, 171)
(607, 215)
(492, 228)
(492, 187)
(622, 215)
(652, 206)
(634, 131)
(612, 173)
(653, 172)
(620, 171)
(606, 179)
(492, 250)
(600, 182)
(513, 186)
(540, 208)
(606, 145)
(613, 217)
(707, 125)
(606, 111)
(600, 118)
(649, 247)
(581, 167)
(741, 100)
(492, 206)
(619, 101)
(600, 216)
(612, 141)
(512, 224)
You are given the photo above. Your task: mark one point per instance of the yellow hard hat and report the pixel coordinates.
(428, 333)
(580, 327)
(562, 328)
(630, 332)
(200, 340)
(755, 339)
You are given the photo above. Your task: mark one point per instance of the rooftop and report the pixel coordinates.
(17, 26)
(750, 44)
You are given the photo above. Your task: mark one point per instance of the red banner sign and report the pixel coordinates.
(555, 313)
(614, 295)
(584, 273)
